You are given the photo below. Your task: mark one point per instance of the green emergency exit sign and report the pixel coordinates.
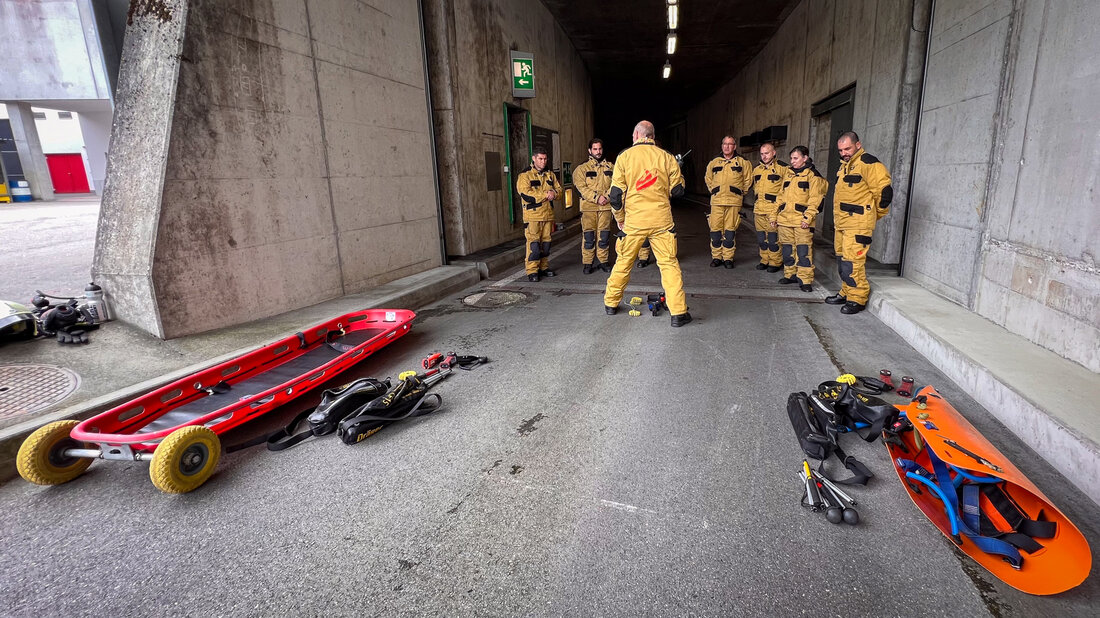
(523, 75)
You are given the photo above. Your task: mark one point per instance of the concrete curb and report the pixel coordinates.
(497, 263)
(412, 292)
(1036, 411)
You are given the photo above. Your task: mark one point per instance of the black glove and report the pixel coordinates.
(72, 335)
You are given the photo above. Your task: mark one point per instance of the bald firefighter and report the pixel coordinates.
(767, 182)
(644, 179)
(862, 196)
(728, 178)
(592, 179)
(538, 188)
(803, 192)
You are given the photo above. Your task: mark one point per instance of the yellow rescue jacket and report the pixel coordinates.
(803, 193)
(767, 182)
(592, 179)
(533, 186)
(644, 179)
(728, 180)
(863, 193)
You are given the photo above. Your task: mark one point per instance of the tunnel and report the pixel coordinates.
(272, 154)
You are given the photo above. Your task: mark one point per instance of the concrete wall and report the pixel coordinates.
(472, 39)
(49, 49)
(296, 164)
(823, 47)
(1005, 209)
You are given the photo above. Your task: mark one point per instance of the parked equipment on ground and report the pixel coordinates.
(977, 498)
(176, 427)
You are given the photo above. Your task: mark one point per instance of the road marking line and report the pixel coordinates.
(625, 507)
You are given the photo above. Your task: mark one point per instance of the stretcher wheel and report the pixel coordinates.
(185, 459)
(41, 460)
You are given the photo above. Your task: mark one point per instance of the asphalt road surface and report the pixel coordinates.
(46, 246)
(598, 465)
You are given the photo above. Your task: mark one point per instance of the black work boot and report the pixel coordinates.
(610, 310)
(728, 263)
(605, 267)
(641, 264)
(836, 299)
(533, 277)
(680, 320)
(715, 263)
(588, 268)
(806, 287)
(851, 307)
(787, 280)
(547, 273)
(761, 266)
(774, 269)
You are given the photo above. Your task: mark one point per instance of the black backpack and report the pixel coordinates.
(817, 424)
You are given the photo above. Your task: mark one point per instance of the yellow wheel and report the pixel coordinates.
(41, 459)
(185, 459)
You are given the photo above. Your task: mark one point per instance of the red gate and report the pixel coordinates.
(67, 173)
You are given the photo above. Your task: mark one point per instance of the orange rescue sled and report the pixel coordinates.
(977, 498)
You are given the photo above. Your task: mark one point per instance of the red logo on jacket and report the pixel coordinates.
(646, 181)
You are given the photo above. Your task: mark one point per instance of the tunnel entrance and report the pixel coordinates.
(828, 119)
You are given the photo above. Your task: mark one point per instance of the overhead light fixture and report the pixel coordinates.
(671, 43)
(673, 15)
(667, 70)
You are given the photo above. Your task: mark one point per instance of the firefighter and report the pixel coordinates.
(767, 182)
(862, 196)
(538, 188)
(644, 179)
(644, 254)
(592, 179)
(728, 177)
(803, 191)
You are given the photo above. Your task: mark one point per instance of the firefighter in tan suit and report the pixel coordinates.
(538, 188)
(728, 178)
(767, 183)
(644, 179)
(804, 190)
(862, 196)
(592, 180)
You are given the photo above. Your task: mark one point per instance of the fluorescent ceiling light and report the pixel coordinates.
(673, 16)
(667, 70)
(671, 43)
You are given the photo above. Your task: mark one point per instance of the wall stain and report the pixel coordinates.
(157, 9)
(516, 470)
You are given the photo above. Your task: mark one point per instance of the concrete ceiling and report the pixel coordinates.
(623, 44)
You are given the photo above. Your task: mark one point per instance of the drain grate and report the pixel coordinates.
(25, 389)
(492, 300)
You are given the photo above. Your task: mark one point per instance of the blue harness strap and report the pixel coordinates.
(971, 513)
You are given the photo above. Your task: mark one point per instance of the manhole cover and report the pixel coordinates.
(28, 388)
(490, 300)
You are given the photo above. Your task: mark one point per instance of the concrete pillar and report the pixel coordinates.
(29, 146)
(96, 127)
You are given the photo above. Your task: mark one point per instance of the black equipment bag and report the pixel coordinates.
(336, 405)
(815, 424)
(853, 406)
(406, 399)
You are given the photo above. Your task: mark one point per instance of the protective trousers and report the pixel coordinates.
(663, 243)
(537, 234)
(596, 236)
(643, 253)
(851, 260)
(723, 231)
(797, 246)
(768, 239)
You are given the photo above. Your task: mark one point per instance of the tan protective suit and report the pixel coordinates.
(862, 196)
(644, 178)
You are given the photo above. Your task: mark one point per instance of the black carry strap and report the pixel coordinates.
(1024, 529)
